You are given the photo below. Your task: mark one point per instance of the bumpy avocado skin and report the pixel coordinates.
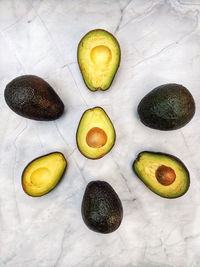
(33, 98)
(101, 207)
(167, 107)
(173, 158)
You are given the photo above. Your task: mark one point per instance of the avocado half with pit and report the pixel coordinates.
(98, 58)
(42, 174)
(164, 174)
(95, 134)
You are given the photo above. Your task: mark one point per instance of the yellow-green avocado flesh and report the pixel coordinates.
(95, 134)
(42, 174)
(99, 58)
(146, 165)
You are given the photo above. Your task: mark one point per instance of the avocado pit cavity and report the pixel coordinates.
(165, 175)
(101, 55)
(96, 137)
(40, 176)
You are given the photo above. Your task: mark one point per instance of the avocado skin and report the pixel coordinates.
(167, 107)
(102, 209)
(168, 155)
(39, 158)
(78, 58)
(33, 98)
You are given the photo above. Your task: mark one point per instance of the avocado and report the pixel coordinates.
(33, 98)
(98, 58)
(101, 207)
(164, 174)
(42, 174)
(167, 107)
(95, 134)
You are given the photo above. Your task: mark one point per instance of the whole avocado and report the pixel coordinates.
(167, 107)
(33, 98)
(101, 207)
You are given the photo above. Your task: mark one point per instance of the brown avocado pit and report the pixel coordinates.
(165, 175)
(96, 137)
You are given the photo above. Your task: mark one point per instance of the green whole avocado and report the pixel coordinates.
(33, 98)
(101, 207)
(167, 107)
(164, 174)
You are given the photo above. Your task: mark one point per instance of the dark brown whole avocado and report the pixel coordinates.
(101, 207)
(33, 98)
(167, 107)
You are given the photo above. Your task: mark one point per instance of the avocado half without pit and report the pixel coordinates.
(167, 107)
(95, 134)
(98, 58)
(164, 174)
(102, 209)
(33, 98)
(42, 174)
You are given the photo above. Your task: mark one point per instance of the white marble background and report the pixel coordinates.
(160, 43)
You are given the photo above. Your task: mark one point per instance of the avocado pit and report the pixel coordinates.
(165, 175)
(96, 137)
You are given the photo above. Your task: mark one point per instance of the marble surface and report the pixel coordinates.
(160, 43)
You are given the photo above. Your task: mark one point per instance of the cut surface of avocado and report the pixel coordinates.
(95, 134)
(101, 207)
(162, 173)
(98, 58)
(42, 174)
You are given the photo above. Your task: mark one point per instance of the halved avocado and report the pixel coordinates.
(95, 134)
(98, 58)
(42, 174)
(164, 174)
